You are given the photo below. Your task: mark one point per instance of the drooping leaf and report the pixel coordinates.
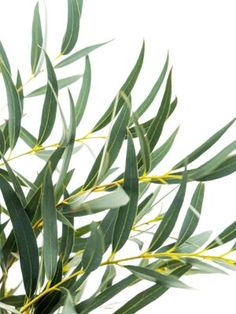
(14, 106)
(49, 216)
(62, 83)
(27, 137)
(126, 89)
(227, 235)
(151, 96)
(25, 238)
(79, 54)
(155, 276)
(205, 146)
(37, 40)
(67, 240)
(168, 222)
(20, 91)
(193, 214)
(50, 105)
(69, 306)
(73, 24)
(2, 142)
(84, 92)
(127, 213)
(4, 58)
(204, 267)
(149, 295)
(93, 252)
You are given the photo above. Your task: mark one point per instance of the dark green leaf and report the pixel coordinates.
(14, 106)
(94, 249)
(62, 83)
(227, 235)
(152, 275)
(50, 105)
(126, 89)
(27, 137)
(19, 87)
(37, 40)
(2, 142)
(168, 222)
(193, 215)
(25, 238)
(67, 240)
(84, 92)
(49, 215)
(73, 25)
(205, 146)
(79, 54)
(127, 213)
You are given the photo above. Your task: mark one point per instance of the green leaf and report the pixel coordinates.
(204, 267)
(155, 276)
(69, 307)
(62, 83)
(149, 295)
(67, 240)
(14, 106)
(19, 87)
(227, 235)
(144, 144)
(193, 215)
(226, 168)
(151, 96)
(168, 222)
(205, 146)
(37, 40)
(155, 129)
(49, 216)
(110, 200)
(27, 137)
(50, 105)
(126, 89)
(2, 142)
(113, 146)
(79, 54)
(127, 213)
(84, 92)
(208, 167)
(3, 58)
(73, 25)
(107, 278)
(16, 183)
(194, 243)
(8, 308)
(93, 252)
(25, 238)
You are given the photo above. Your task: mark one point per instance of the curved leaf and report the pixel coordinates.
(37, 40)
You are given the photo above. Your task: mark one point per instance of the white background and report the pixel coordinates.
(200, 36)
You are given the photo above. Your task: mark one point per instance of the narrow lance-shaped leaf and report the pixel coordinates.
(155, 276)
(25, 238)
(73, 25)
(149, 295)
(79, 54)
(205, 146)
(84, 92)
(168, 222)
(2, 142)
(62, 83)
(49, 215)
(37, 39)
(110, 200)
(126, 89)
(151, 96)
(50, 105)
(155, 129)
(4, 59)
(126, 214)
(227, 235)
(113, 147)
(14, 106)
(94, 249)
(193, 215)
(19, 87)
(69, 306)
(144, 144)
